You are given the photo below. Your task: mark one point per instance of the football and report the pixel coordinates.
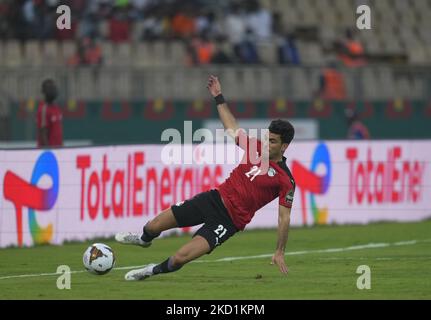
(99, 259)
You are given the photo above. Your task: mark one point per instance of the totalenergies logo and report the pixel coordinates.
(313, 184)
(28, 195)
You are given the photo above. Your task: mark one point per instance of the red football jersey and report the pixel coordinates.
(50, 117)
(248, 188)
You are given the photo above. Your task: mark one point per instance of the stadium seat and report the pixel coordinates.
(158, 49)
(230, 80)
(1, 53)
(311, 53)
(300, 85)
(327, 34)
(417, 54)
(386, 82)
(290, 18)
(123, 55)
(32, 54)
(84, 86)
(309, 16)
(418, 86)
(103, 86)
(329, 17)
(137, 31)
(140, 55)
(369, 84)
(51, 53)
(391, 45)
(401, 6)
(122, 85)
(268, 52)
(13, 54)
(176, 53)
(108, 53)
(249, 83)
(373, 46)
(265, 80)
(67, 50)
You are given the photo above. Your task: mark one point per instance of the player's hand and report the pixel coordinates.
(278, 259)
(214, 86)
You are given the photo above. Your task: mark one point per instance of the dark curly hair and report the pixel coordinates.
(284, 128)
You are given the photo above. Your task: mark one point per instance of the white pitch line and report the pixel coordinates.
(228, 259)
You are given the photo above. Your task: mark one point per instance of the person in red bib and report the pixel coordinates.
(49, 118)
(261, 177)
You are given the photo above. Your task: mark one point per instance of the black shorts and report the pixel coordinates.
(207, 208)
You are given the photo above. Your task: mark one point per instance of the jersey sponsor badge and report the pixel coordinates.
(271, 172)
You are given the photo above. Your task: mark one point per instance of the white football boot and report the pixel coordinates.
(131, 238)
(140, 274)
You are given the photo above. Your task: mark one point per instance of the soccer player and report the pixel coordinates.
(49, 118)
(231, 207)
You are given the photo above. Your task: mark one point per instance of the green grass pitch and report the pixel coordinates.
(322, 264)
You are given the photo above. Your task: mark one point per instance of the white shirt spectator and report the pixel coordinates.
(260, 23)
(235, 28)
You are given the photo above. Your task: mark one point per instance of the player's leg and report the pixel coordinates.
(194, 249)
(185, 214)
(162, 222)
(213, 233)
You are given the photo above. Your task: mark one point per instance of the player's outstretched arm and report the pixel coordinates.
(226, 117)
(283, 230)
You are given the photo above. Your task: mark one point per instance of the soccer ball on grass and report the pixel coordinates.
(99, 259)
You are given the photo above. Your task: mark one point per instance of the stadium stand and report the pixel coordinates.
(136, 35)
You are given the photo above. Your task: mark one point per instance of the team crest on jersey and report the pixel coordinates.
(271, 172)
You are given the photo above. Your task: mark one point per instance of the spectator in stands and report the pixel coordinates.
(288, 52)
(207, 23)
(156, 24)
(332, 84)
(89, 53)
(246, 50)
(356, 129)
(235, 25)
(258, 20)
(350, 51)
(220, 55)
(119, 25)
(184, 23)
(201, 50)
(45, 19)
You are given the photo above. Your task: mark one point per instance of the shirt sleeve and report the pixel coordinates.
(287, 193)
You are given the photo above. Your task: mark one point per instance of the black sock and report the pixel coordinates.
(148, 236)
(166, 267)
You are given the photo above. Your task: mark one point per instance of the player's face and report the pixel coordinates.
(276, 146)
